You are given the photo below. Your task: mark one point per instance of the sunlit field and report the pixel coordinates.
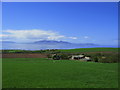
(45, 73)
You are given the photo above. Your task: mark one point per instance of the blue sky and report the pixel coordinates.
(78, 22)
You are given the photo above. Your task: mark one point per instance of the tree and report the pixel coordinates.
(56, 57)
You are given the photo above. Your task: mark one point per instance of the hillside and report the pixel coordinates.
(91, 50)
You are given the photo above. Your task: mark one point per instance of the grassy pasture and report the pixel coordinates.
(91, 50)
(44, 73)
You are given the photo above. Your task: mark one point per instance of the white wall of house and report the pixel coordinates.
(73, 56)
(76, 56)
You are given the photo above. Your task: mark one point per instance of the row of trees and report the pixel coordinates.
(31, 51)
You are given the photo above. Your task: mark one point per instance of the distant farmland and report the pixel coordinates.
(91, 50)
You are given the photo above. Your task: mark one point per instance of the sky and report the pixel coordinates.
(77, 22)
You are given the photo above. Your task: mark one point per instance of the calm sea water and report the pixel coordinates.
(43, 46)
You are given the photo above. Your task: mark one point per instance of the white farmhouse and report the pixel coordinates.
(80, 57)
(77, 57)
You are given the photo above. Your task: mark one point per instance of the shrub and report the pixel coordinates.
(65, 56)
(56, 57)
(49, 56)
(95, 59)
(110, 58)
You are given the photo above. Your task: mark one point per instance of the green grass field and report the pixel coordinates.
(44, 73)
(90, 50)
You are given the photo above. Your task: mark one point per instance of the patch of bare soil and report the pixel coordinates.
(21, 55)
(39, 55)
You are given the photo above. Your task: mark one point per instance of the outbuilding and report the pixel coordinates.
(77, 57)
(80, 57)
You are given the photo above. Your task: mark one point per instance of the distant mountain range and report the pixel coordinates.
(48, 44)
(7, 42)
(52, 42)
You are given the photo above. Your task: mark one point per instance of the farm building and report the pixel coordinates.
(76, 57)
(86, 59)
(73, 57)
(80, 57)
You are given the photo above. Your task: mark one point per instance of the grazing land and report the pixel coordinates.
(91, 50)
(45, 73)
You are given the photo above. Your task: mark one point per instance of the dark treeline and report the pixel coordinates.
(30, 51)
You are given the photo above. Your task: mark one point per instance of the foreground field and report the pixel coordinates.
(44, 73)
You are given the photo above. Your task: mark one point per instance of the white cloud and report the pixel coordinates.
(3, 35)
(86, 37)
(116, 41)
(73, 37)
(32, 35)
(55, 37)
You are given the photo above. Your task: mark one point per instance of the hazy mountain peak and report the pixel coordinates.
(7, 41)
(50, 41)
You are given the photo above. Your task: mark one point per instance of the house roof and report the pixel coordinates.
(77, 55)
